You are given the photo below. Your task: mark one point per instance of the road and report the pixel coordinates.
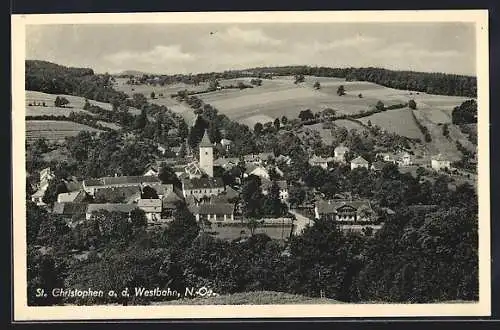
(300, 222)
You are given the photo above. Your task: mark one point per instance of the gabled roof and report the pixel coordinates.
(73, 185)
(112, 193)
(218, 208)
(117, 180)
(75, 196)
(341, 148)
(331, 206)
(205, 141)
(69, 208)
(439, 157)
(200, 183)
(111, 207)
(319, 159)
(359, 160)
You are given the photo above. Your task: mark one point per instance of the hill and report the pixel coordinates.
(131, 73)
(52, 78)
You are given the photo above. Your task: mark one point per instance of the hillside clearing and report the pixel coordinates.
(399, 121)
(54, 130)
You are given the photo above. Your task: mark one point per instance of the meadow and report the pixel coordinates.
(76, 104)
(53, 130)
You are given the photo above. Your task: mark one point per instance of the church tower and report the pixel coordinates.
(207, 155)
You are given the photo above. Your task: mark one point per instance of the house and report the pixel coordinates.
(45, 176)
(194, 170)
(152, 208)
(284, 159)
(345, 211)
(227, 163)
(72, 197)
(359, 162)
(73, 185)
(259, 158)
(162, 189)
(169, 204)
(339, 153)
(118, 194)
(161, 149)
(69, 209)
(93, 185)
(109, 207)
(257, 170)
(387, 157)
(218, 212)
(439, 162)
(320, 161)
(283, 186)
(226, 144)
(228, 196)
(378, 165)
(404, 159)
(201, 187)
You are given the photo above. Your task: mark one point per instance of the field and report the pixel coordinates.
(53, 130)
(399, 121)
(166, 100)
(76, 104)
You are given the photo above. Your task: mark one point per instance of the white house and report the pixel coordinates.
(339, 153)
(260, 171)
(320, 161)
(266, 186)
(152, 209)
(439, 163)
(218, 212)
(359, 162)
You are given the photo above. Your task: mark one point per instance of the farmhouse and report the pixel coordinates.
(109, 207)
(93, 185)
(339, 153)
(359, 162)
(320, 161)
(202, 187)
(345, 211)
(152, 208)
(227, 163)
(46, 175)
(387, 157)
(404, 159)
(226, 144)
(214, 212)
(260, 158)
(439, 162)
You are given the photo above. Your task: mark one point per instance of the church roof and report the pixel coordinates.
(205, 141)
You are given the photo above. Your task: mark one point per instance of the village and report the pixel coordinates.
(218, 206)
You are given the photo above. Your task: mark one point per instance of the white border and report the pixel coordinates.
(22, 312)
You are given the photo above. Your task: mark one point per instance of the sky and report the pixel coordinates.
(197, 47)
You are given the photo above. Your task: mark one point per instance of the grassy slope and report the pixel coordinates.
(253, 298)
(53, 130)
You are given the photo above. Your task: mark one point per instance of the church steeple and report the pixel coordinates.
(205, 141)
(207, 155)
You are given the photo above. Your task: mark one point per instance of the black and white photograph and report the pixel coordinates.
(251, 165)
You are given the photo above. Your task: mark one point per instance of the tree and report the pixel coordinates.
(328, 113)
(299, 78)
(54, 188)
(141, 120)
(138, 218)
(167, 175)
(277, 124)
(149, 193)
(61, 101)
(317, 85)
(446, 130)
(380, 106)
(296, 195)
(183, 129)
(183, 229)
(412, 104)
(466, 113)
(360, 95)
(306, 115)
(257, 129)
(341, 90)
(284, 120)
(251, 196)
(153, 95)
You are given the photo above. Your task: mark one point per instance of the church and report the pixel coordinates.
(201, 182)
